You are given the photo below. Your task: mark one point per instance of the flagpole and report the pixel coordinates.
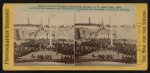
(111, 37)
(50, 38)
(111, 28)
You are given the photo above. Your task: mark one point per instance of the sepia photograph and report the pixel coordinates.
(105, 38)
(44, 38)
(74, 37)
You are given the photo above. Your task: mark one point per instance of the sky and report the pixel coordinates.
(63, 17)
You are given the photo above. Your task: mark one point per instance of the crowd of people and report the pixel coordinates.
(67, 59)
(103, 45)
(127, 59)
(43, 57)
(127, 49)
(107, 57)
(64, 48)
(21, 50)
(71, 51)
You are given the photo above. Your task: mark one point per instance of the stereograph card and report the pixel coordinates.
(75, 36)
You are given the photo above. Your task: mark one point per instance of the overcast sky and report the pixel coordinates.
(67, 17)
